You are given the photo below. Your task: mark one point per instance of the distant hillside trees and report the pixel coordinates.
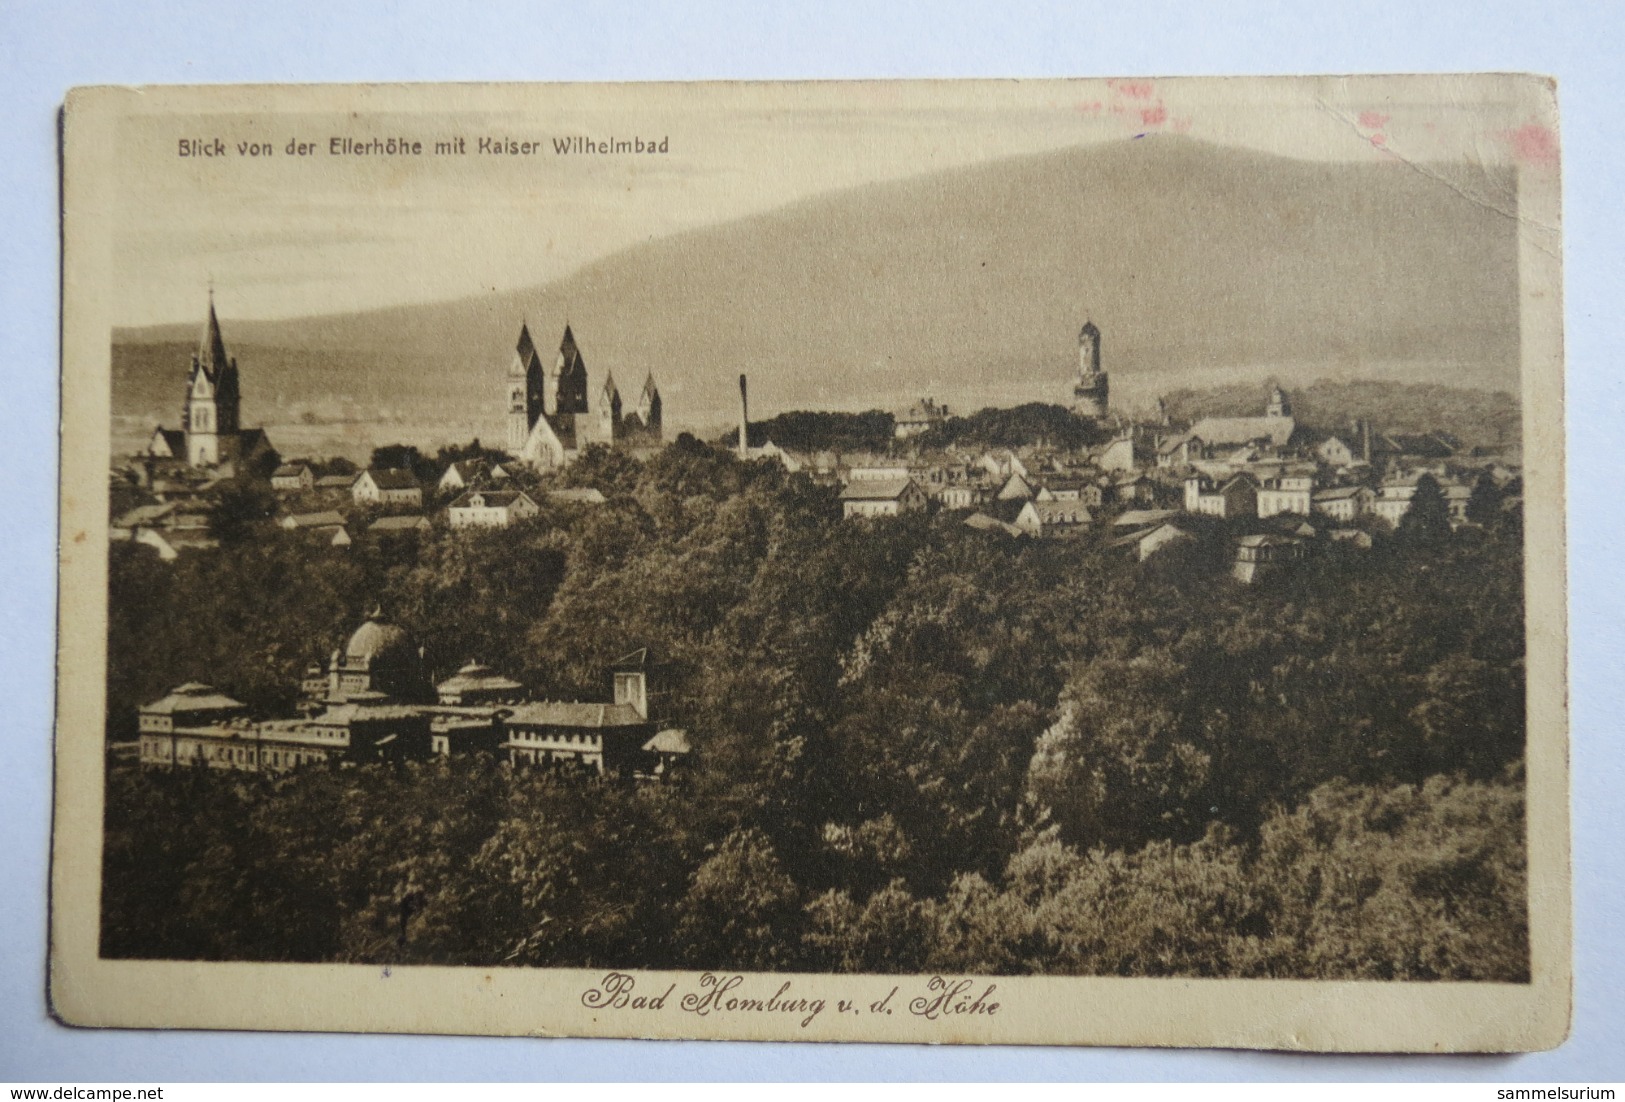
(1479, 418)
(821, 430)
(1032, 423)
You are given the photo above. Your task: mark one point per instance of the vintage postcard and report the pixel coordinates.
(1032, 562)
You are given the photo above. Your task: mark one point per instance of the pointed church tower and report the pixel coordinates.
(569, 382)
(609, 410)
(1280, 405)
(526, 389)
(1089, 394)
(649, 411)
(213, 400)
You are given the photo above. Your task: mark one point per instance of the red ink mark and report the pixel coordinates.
(1373, 120)
(1133, 89)
(1533, 144)
(1154, 116)
(1379, 140)
(1093, 107)
(1180, 126)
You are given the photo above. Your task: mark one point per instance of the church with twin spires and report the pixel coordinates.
(549, 418)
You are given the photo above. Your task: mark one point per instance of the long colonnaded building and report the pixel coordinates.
(372, 703)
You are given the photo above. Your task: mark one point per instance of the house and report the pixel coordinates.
(881, 497)
(461, 475)
(490, 508)
(1343, 503)
(1456, 499)
(1181, 450)
(1016, 488)
(1131, 451)
(387, 487)
(293, 478)
(1134, 489)
(328, 482)
(1236, 496)
(878, 473)
(1260, 555)
(406, 524)
(1235, 431)
(1414, 446)
(918, 418)
(1053, 518)
(960, 495)
(604, 738)
(667, 752)
(1001, 464)
(1146, 542)
(1287, 491)
(1143, 518)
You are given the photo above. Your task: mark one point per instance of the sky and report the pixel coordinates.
(283, 235)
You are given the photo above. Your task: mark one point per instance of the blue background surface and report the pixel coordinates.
(46, 48)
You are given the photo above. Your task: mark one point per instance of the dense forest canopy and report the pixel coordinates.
(916, 746)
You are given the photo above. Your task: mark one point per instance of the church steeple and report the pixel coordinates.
(211, 351)
(212, 398)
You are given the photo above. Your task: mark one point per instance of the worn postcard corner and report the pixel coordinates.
(1042, 562)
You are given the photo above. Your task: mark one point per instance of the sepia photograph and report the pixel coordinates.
(1047, 562)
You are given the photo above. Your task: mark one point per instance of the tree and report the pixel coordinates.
(242, 509)
(742, 910)
(1428, 518)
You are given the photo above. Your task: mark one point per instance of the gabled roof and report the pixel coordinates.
(174, 440)
(569, 714)
(1244, 430)
(493, 499)
(326, 519)
(144, 514)
(875, 489)
(399, 524)
(1338, 493)
(1143, 518)
(1060, 512)
(636, 660)
(194, 696)
(1266, 539)
(1134, 537)
(393, 479)
(336, 481)
(670, 741)
(290, 470)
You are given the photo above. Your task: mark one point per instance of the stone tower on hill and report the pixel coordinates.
(1089, 393)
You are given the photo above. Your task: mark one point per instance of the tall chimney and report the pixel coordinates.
(744, 421)
(1365, 440)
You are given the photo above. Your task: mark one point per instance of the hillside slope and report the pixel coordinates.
(1200, 264)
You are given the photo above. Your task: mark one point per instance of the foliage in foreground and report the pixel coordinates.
(916, 746)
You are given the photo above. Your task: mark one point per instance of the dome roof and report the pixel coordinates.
(375, 640)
